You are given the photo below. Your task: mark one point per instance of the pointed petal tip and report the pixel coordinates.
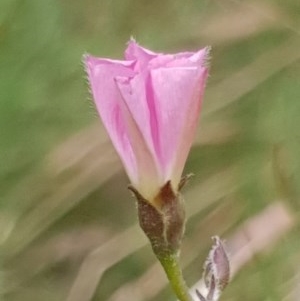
(130, 50)
(86, 57)
(88, 60)
(134, 51)
(132, 40)
(131, 44)
(207, 56)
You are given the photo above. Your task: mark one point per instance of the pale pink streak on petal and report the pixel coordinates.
(201, 57)
(182, 59)
(138, 96)
(101, 73)
(178, 93)
(137, 115)
(191, 124)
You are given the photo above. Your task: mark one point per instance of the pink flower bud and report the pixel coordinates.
(150, 105)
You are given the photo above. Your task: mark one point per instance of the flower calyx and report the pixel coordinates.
(162, 219)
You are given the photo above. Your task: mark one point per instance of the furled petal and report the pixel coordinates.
(101, 73)
(138, 96)
(182, 59)
(150, 106)
(151, 60)
(178, 95)
(140, 54)
(135, 114)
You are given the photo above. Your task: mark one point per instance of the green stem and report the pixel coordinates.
(174, 273)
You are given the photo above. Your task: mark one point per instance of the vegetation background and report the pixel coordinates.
(68, 223)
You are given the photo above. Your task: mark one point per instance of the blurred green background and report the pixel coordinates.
(68, 223)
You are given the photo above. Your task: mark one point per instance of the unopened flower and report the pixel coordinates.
(216, 271)
(150, 104)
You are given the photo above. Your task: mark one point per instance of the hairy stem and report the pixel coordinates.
(174, 273)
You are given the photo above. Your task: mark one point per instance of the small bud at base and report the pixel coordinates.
(216, 272)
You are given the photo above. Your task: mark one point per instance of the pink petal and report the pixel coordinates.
(138, 96)
(140, 54)
(151, 60)
(101, 73)
(182, 59)
(150, 106)
(200, 57)
(178, 96)
(133, 108)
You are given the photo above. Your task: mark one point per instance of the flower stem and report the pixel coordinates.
(174, 273)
